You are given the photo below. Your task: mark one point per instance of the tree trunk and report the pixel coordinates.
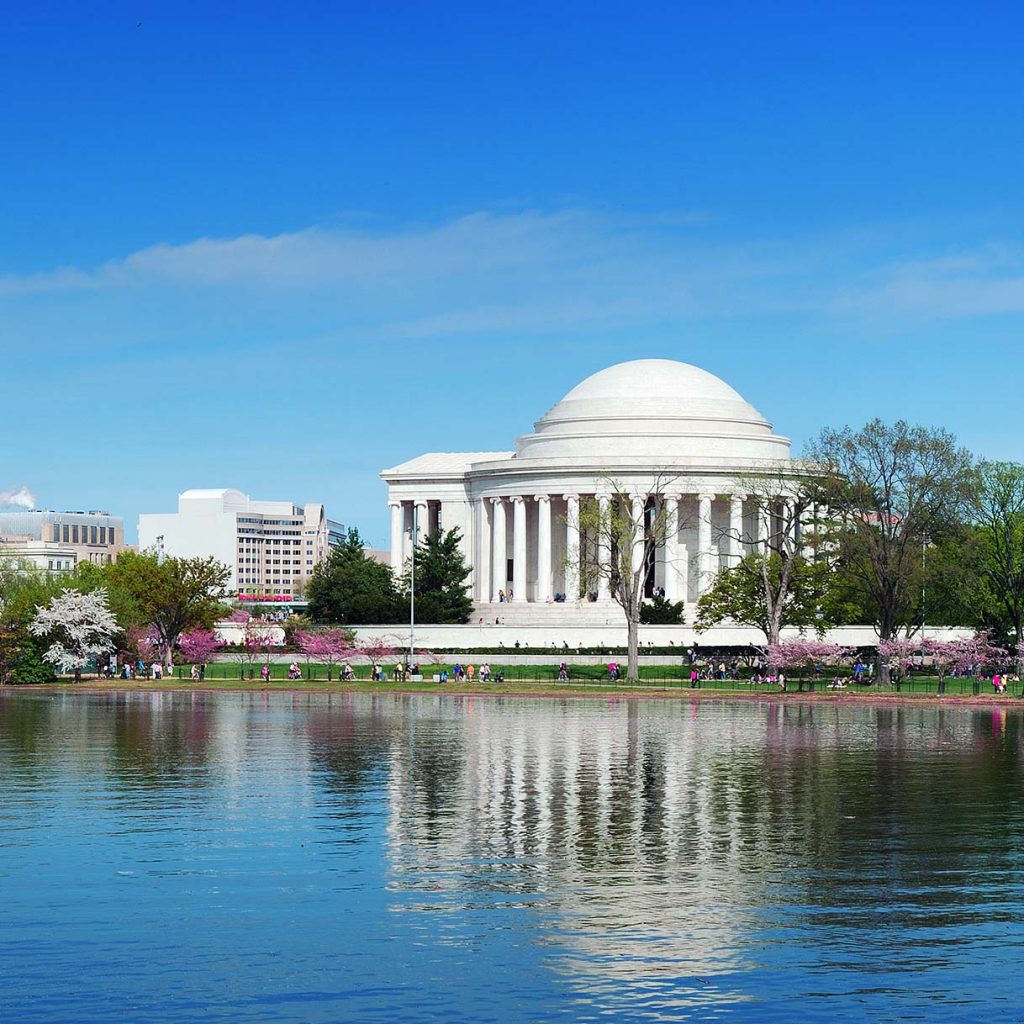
(882, 672)
(632, 658)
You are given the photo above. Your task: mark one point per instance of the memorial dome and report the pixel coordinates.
(657, 409)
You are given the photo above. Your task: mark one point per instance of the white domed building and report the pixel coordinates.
(655, 429)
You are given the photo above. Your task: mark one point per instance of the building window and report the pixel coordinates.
(67, 534)
(93, 531)
(74, 534)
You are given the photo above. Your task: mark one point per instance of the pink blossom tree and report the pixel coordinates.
(946, 656)
(802, 653)
(257, 640)
(327, 646)
(962, 654)
(198, 645)
(376, 649)
(901, 652)
(141, 642)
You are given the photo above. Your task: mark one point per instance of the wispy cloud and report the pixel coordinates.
(534, 271)
(985, 281)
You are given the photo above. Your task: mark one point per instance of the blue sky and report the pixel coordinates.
(281, 246)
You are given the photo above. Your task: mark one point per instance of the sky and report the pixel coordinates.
(280, 247)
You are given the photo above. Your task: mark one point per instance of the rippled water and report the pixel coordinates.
(241, 857)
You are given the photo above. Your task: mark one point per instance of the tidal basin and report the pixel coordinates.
(314, 857)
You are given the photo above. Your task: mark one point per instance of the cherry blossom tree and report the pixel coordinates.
(257, 639)
(801, 653)
(376, 649)
(901, 652)
(328, 647)
(81, 626)
(963, 654)
(198, 645)
(140, 642)
(946, 656)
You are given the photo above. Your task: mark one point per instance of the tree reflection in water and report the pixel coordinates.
(657, 855)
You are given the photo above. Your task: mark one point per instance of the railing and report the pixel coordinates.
(665, 677)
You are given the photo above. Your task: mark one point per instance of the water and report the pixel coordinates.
(241, 857)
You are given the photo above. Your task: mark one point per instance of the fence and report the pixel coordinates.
(651, 677)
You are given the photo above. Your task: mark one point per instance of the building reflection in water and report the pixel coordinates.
(655, 846)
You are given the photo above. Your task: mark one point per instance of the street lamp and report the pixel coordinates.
(412, 585)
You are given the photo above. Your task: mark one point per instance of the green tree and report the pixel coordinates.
(350, 588)
(744, 593)
(662, 612)
(781, 581)
(442, 593)
(890, 491)
(996, 509)
(171, 595)
(23, 588)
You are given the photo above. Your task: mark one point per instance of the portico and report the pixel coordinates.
(655, 434)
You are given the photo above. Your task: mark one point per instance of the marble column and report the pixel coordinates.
(519, 548)
(544, 593)
(808, 531)
(704, 574)
(672, 548)
(735, 540)
(639, 501)
(407, 538)
(787, 524)
(573, 555)
(396, 536)
(762, 527)
(483, 546)
(499, 561)
(604, 552)
(421, 521)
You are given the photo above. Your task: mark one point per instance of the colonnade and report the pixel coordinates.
(548, 552)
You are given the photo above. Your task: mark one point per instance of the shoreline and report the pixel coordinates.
(546, 692)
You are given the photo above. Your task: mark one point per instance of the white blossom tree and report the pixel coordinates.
(81, 626)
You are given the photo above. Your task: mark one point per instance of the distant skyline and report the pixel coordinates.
(281, 248)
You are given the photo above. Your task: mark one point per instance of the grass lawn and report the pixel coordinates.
(539, 679)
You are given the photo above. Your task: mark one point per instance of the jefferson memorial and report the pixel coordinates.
(652, 429)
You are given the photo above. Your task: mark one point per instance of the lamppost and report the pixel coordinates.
(412, 584)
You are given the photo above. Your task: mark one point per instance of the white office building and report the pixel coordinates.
(272, 547)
